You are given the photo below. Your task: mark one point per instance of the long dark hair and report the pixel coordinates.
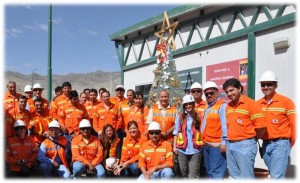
(105, 139)
(138, 93)
(195, 116)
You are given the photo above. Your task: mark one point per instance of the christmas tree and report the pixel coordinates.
(165, 74)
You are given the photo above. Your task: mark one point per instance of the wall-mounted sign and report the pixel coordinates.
(219, 73)
(189, 76)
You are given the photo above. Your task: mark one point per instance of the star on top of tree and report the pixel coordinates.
(166, 26)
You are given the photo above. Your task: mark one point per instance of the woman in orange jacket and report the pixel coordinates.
(112, 147)
(130, 151)
(139, 113)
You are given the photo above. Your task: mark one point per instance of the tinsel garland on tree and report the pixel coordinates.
(166, 77)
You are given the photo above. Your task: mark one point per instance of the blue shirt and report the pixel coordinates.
(190, 147)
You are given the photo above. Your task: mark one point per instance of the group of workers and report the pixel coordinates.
(79, 134)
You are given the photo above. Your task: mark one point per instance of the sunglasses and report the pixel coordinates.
(37, 89)
(194, 91)
(154, 133)
(85, 129)
(266, 84)
(20, 128)
(120, 90)
(209, 93)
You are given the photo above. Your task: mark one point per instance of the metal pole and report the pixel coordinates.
(49, 91)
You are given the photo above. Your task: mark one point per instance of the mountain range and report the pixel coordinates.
(97, 79)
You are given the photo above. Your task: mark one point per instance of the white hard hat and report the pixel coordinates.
(188, 99)
(19, 123)
(37, 85)
(196, 85)
(54, 124)
(110, 161)
(27, 88)
(119, 86)
(210, 84)
(154, 126)
(268, 76)
(84, 123)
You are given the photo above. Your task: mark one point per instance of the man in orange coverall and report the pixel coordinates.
(71, 114)
(11, 96)
(106, 113)
(87, 152)
(156, 156)
(21, 152)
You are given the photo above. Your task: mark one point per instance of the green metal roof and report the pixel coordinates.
(156, 19)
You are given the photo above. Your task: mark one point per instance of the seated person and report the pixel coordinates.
(53, 153)
(21, 152)
(87, 152)
(112, 146)
(130, 151)
(156, 156)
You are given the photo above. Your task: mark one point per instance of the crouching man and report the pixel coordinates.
(156, 156)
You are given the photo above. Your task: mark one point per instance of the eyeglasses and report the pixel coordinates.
(209, 93)
(194, 91)
(37, 89)
(20, 128)
(154, 133)
(85, 129)
(266, 84)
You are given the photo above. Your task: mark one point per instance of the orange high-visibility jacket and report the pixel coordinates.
(12, 116)
(31, 104)
(243, 119)
(10, 101)
(152, 155)
(281, 118)
(117, 100)
(166, 122)
(124, 113)
(59, 102)
(40, 125)
(91, 152)
(16, 150)
(200, 107)
(51, 151)
(91, 108)
(102, 116)
(131, 148)
(136, 114)
(70, 116)
(213, 129)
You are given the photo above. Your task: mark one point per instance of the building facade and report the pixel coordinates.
(216, 42)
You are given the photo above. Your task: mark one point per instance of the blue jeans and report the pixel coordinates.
(79, 168)
(276, 156)
(215, 162)
(132, 170)
(165, 173)
(241, 157)
(47, 168)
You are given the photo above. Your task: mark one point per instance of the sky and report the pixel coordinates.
(80, 35)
